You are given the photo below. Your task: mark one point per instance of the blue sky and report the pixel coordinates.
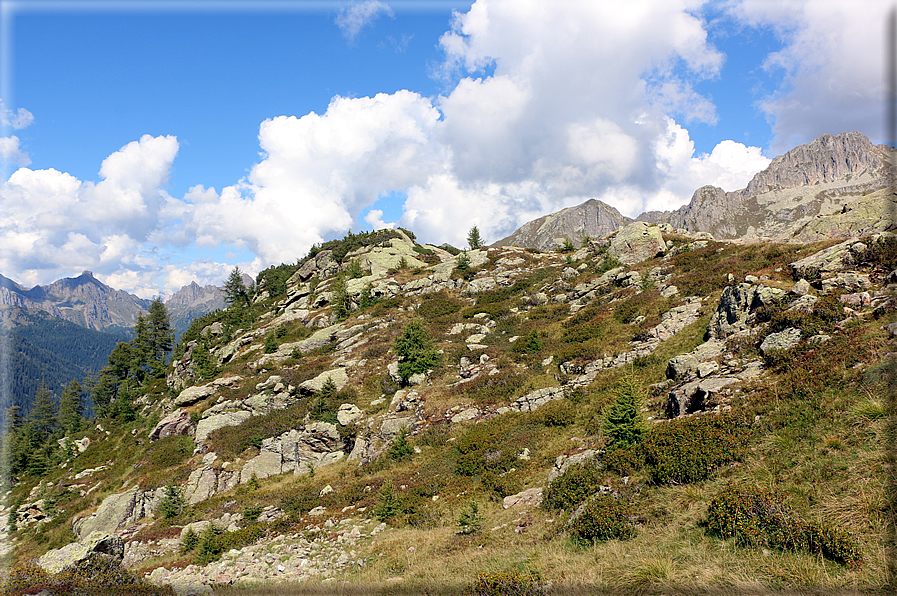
(156, 143)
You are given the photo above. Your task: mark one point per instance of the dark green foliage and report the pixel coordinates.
(499, 486)
(625, 459)
(354, 270)
(389, 504)
(190, 541)
(578, 483)
(826, 312)
(172, 504)
(400, 449)
(492, 389)
(882, 253)
(604, 518)
(415, 351)
(341, 302)
(689, 449)
(97, 575)
(558, 412)
(274, 279)
(235, 291)
(194, 332)
(474, 241)
(213, 541)
(270, 343)
(761, 519)
(402, 264)
(470, 521)
(567, 246)
(438, 304)
(531, 345)
(491, 446)
(352, 242)
(71, 408)
(624, 422)
(231, 441)
(607, 263)
(450, 249)
(53, 351)
(324, 406)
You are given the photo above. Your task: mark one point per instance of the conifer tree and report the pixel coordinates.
(71, 408)
(624, 422)
(235, 291)
(473, 238)
(43, 413)
(160, 336)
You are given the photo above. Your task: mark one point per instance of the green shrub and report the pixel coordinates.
(624, 422)
(624, 459)
(270, 344)
(389, 504)
(604, 518)
(558, 412)
(531, 345)
(400, 448)
(483, 447)
(415, 350)
(508, 583)
(689, 449)
(189, 542)
(579, 482)
(499, 486)
(172, 504)
(470, 521)
(761, 519)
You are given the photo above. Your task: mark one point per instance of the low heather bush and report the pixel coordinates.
(761, 519)
(604, 518)
(578, 483)
(690, 449)
(508, 583)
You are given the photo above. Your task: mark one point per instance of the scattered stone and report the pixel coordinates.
(102, 543)
(531, 497)
(783, 340)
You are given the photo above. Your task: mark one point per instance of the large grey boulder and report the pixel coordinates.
(192, 395)
(176, 423)
(337, 375)
(563, 462)
(116, 511)
(207, 426)
(783, 340)
(101, 543)
(637, 242)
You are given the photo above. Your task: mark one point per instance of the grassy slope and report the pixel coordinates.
(820, 442)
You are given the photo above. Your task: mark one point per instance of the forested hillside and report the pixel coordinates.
(52, 351)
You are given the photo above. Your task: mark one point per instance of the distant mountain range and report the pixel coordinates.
(66, 330)
(833, 187)
(88, 302)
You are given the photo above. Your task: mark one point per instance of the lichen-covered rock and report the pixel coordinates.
(562, 462)
(637, 242)
(531, 497)
(192, 395)
(116, 511)
(208, 425)
(349, 413)
(102, 543)
(337, 375)
(783, 340)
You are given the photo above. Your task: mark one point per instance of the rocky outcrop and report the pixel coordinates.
(119, 511)
(176, 423)
(637, 242)
(96, 543)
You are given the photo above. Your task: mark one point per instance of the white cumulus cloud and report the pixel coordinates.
(53, 224)
(833, 66)
(19, 119)
(374, 218)
(353, 19)
(11, 153)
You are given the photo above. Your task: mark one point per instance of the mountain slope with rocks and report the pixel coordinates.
(833, 187)
(399, 414)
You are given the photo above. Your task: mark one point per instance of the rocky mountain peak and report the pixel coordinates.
(828, 158)
(593, 218)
